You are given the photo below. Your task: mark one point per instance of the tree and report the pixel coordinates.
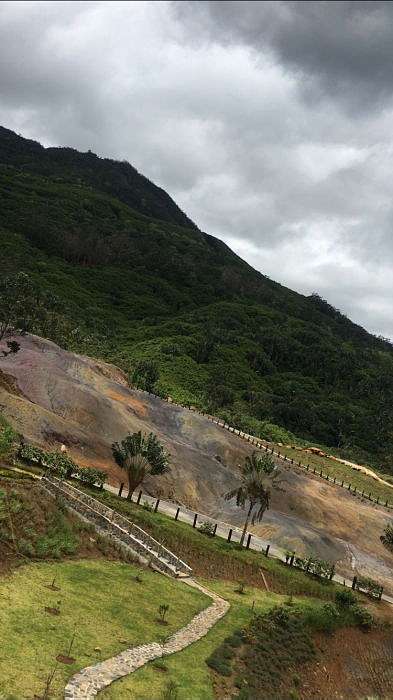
(139, 454)
(387, 537)
(23, 305)
(254, 489)
(146, 375)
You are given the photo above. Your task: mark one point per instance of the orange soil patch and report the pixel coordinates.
(130, 401)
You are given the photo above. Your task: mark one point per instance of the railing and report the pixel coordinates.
(149, 543)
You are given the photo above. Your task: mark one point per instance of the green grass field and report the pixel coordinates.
(99, 600)
(187, 670)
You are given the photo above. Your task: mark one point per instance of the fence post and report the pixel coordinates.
(267, 550)
(334, 480)
(331, 573)
(177, 513)
(380, 593)
(308, 467)
(349, 487)
(354, 582)
(369, 496)
(214, 529)
(342, 483)
(292, 559)
(248, 541)
(229, 535)
(354, 490)
(156, 506)
(121, 489)
(292, 460)
(321, 473)
(378, 500)
(386, 504)
(138, 500)
(314, 470)
(195, 520)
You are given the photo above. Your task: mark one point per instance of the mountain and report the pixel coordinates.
(139, 280)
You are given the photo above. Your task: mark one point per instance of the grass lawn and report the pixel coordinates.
(99, 600)
(188, 669)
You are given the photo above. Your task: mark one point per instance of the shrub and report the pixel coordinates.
(317, 567)
(387, 537)
(7, 437)
(345, 598)
(61, 464)
(362, 617)
(221, 658)
(330, 615)
(369, 586)
(31, 453)
(207, 528)
(92, 477)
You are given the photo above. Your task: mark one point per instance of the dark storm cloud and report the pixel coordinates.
(270, 123)
(343, 48)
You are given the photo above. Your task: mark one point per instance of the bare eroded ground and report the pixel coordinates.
(53, 397)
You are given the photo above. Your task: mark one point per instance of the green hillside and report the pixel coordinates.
(139, 280)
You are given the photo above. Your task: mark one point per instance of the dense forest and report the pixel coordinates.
(137, 281)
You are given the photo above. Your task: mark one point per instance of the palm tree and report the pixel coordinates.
(139, 454)
(254, 489)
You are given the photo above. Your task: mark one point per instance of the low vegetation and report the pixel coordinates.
(212, 557)
(219, 660)
(97, 604)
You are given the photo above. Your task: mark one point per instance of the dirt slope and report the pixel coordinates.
(52, 397)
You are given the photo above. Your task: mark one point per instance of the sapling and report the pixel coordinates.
(162, 611)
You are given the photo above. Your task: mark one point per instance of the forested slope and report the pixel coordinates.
(139, 280)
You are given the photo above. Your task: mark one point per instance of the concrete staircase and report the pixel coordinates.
(113, 525)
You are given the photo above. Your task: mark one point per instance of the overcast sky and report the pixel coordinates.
(269, 123)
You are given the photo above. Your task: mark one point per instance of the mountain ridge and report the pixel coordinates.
(224, 336)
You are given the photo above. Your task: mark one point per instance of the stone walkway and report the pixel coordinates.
(88, 682)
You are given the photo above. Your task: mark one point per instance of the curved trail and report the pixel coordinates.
(88, 682)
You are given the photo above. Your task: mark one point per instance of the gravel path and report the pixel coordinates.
(88, 682)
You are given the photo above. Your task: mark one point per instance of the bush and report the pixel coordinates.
(7, 437)
(362, 617)
(221, 658)
(317, 567)
(92, 477)
(61, 464)
(345, 598)
(330, 615)
(31, 453)
(369, 586)
(207, 528)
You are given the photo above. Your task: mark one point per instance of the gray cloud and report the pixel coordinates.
(269, 123)
(339, 47)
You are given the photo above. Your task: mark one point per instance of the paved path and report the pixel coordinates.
(88, 682)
